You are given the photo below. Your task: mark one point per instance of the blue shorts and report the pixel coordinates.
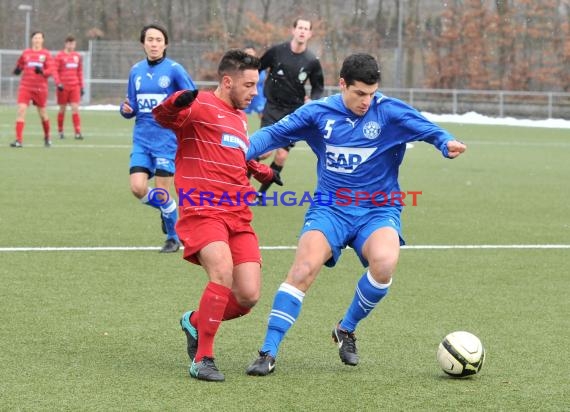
(350, 226)
(151, 160)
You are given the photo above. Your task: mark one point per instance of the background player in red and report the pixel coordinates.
(215, 220)
(69, 66)
(36, 65)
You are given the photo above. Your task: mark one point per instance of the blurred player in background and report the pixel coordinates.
(215, 220)
(154, 147)
(291, 65)
(69, 66)
(36, 65)
(359, 137)
(258, 103)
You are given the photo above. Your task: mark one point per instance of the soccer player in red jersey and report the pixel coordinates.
(214, 194)
(69, 66)
(36, 65)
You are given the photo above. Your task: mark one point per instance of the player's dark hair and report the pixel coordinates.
(236, 60)
(37, 32)
(69, 39)
(360, 67)
(156, 27)
(300, 18)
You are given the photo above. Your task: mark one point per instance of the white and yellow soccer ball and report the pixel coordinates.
(461, 354)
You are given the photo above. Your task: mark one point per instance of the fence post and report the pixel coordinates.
(550, 105)
(454, 101)
(501, 103)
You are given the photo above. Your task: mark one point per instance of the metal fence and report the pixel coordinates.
(107, 64)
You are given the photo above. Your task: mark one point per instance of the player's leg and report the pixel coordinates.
(62, 102)
(74, 100)
(381, 250)
(42, 111)
(168, 205)
(20, 121)
(246, 285)
(313, 251)
(216, 259)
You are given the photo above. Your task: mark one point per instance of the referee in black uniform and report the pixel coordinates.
(290, 65)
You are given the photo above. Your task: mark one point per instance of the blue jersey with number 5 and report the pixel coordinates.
(360, 153)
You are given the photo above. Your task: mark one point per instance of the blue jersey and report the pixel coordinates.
(148, 86)
(258, 102)
(354, 153)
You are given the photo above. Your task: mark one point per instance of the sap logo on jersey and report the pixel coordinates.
(148, 101)
(347, 159)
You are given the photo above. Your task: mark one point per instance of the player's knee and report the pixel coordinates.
(249, 299)
(382, 271)
(138, 190)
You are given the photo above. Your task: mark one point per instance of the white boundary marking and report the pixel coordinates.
(141, 248)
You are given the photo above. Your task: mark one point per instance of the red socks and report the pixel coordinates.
(212, 307)
(19, 131)
(217, 304)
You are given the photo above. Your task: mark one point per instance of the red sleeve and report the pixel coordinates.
(80, 71)
(51, 68)
(169, 116)
(260, 171)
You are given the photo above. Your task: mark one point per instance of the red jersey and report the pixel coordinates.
(211, 169)
(27, 63)
(69, 67)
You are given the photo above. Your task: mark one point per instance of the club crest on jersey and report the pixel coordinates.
(302, 75)
(230, 140)
(164, 81)
(371, 130)
(347, 159)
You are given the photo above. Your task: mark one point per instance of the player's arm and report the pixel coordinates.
(50, 69)
(183, 79)
(129, 107)
(317, 81)
(80, 75)
(19, 66)
(281, 134)
(263, 173)
(172, 112)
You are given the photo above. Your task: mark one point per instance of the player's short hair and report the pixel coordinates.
(301, 18)
(37, 32)
(156, 27)
(237, 60)
(360, 67)
(69, 38)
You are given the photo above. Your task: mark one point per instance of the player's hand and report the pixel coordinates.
(126, 107)
(17, 71)
(38, 70)
(60, 87)
(455, 148)
(82, 92)
(276, 177)
(186, 98)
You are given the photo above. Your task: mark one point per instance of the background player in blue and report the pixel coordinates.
(359, 137)
(258, 103)
(151, 81)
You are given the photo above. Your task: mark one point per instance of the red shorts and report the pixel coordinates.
(69, 95)
(197, 231)
(37, 96)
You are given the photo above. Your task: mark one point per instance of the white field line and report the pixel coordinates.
(142, 248)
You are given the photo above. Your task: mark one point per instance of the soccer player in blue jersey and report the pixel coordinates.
(154, 147)
(359, 137)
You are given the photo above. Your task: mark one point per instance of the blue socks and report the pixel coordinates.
(367, 295)
(286, 308)
(169, 213)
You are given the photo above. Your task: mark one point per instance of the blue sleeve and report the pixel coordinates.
(415, 127)
(281, 134)
(183, 79)
(131, 97)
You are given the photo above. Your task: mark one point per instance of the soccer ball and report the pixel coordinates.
(461, 354)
